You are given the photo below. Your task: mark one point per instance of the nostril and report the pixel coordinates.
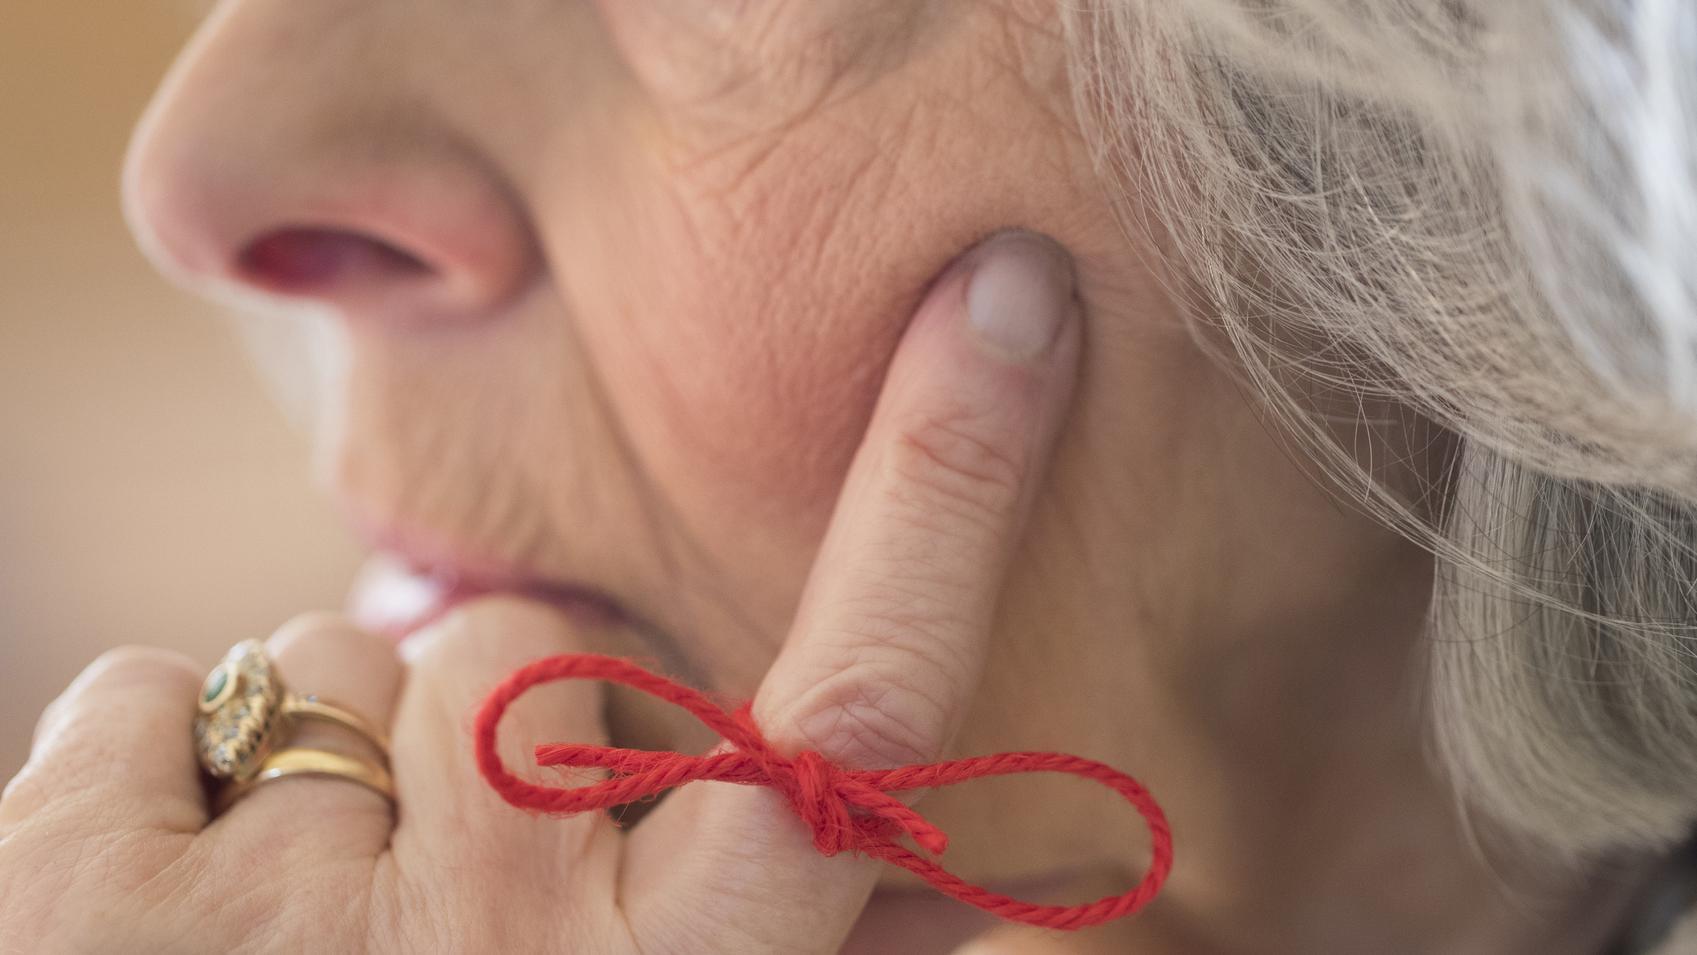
(308, 261)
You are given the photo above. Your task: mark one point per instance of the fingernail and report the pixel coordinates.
(1020, 295)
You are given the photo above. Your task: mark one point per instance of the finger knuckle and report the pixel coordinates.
(875, 714)
(138, 666)
(119, 672)
(956, 460)
(24, 793)
(314, 629)
(488, 633)
(115, 674)
(52, 717)
(444, 644)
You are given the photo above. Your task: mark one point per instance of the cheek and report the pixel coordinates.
(772, 343)
(741, 307)
(744, 331)
(784, 273)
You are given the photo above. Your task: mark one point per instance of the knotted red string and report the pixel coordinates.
(847, 810)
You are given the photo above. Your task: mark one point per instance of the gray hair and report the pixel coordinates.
(1482, 213)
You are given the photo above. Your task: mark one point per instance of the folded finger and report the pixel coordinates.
(451, 818)
(326, 657)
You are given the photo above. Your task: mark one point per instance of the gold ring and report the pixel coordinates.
(246, 713)
(308, 762)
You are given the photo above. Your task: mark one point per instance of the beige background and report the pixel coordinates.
(150, 492)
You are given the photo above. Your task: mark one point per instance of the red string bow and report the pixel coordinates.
(847, 810)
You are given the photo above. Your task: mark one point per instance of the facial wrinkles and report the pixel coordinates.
(741, 293)
(727, 72)
(732, 277)
(845, 190)
(419, 451)
(740, 387)
(463, 438)
(738, 403)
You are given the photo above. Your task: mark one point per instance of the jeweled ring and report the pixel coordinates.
(246, 713)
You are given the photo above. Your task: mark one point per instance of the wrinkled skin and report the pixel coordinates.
(620, 284)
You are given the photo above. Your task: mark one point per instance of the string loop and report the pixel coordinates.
(846, 810)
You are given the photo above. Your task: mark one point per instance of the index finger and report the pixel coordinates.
(893, 629)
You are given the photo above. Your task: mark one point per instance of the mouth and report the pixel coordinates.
(413, 579)
(397, 594)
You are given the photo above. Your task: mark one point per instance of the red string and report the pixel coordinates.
(847, 810)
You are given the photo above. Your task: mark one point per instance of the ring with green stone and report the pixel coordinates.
(246, 713)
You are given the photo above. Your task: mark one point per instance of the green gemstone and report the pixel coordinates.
(215, 683)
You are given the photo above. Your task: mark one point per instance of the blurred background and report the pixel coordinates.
(150, 491)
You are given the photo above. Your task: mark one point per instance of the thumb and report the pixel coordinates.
(893, 628)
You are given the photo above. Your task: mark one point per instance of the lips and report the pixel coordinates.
(397, 595)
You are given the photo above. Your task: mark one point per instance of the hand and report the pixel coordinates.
(106, 842)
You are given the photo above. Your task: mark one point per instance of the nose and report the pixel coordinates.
(279, 162)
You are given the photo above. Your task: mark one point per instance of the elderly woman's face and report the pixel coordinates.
(619, 280)
(619, 283)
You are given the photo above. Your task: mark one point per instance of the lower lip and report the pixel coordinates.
(392, 597)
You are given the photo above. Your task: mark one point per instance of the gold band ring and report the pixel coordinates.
(246, 713)
(310, 707)
(308, 762)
